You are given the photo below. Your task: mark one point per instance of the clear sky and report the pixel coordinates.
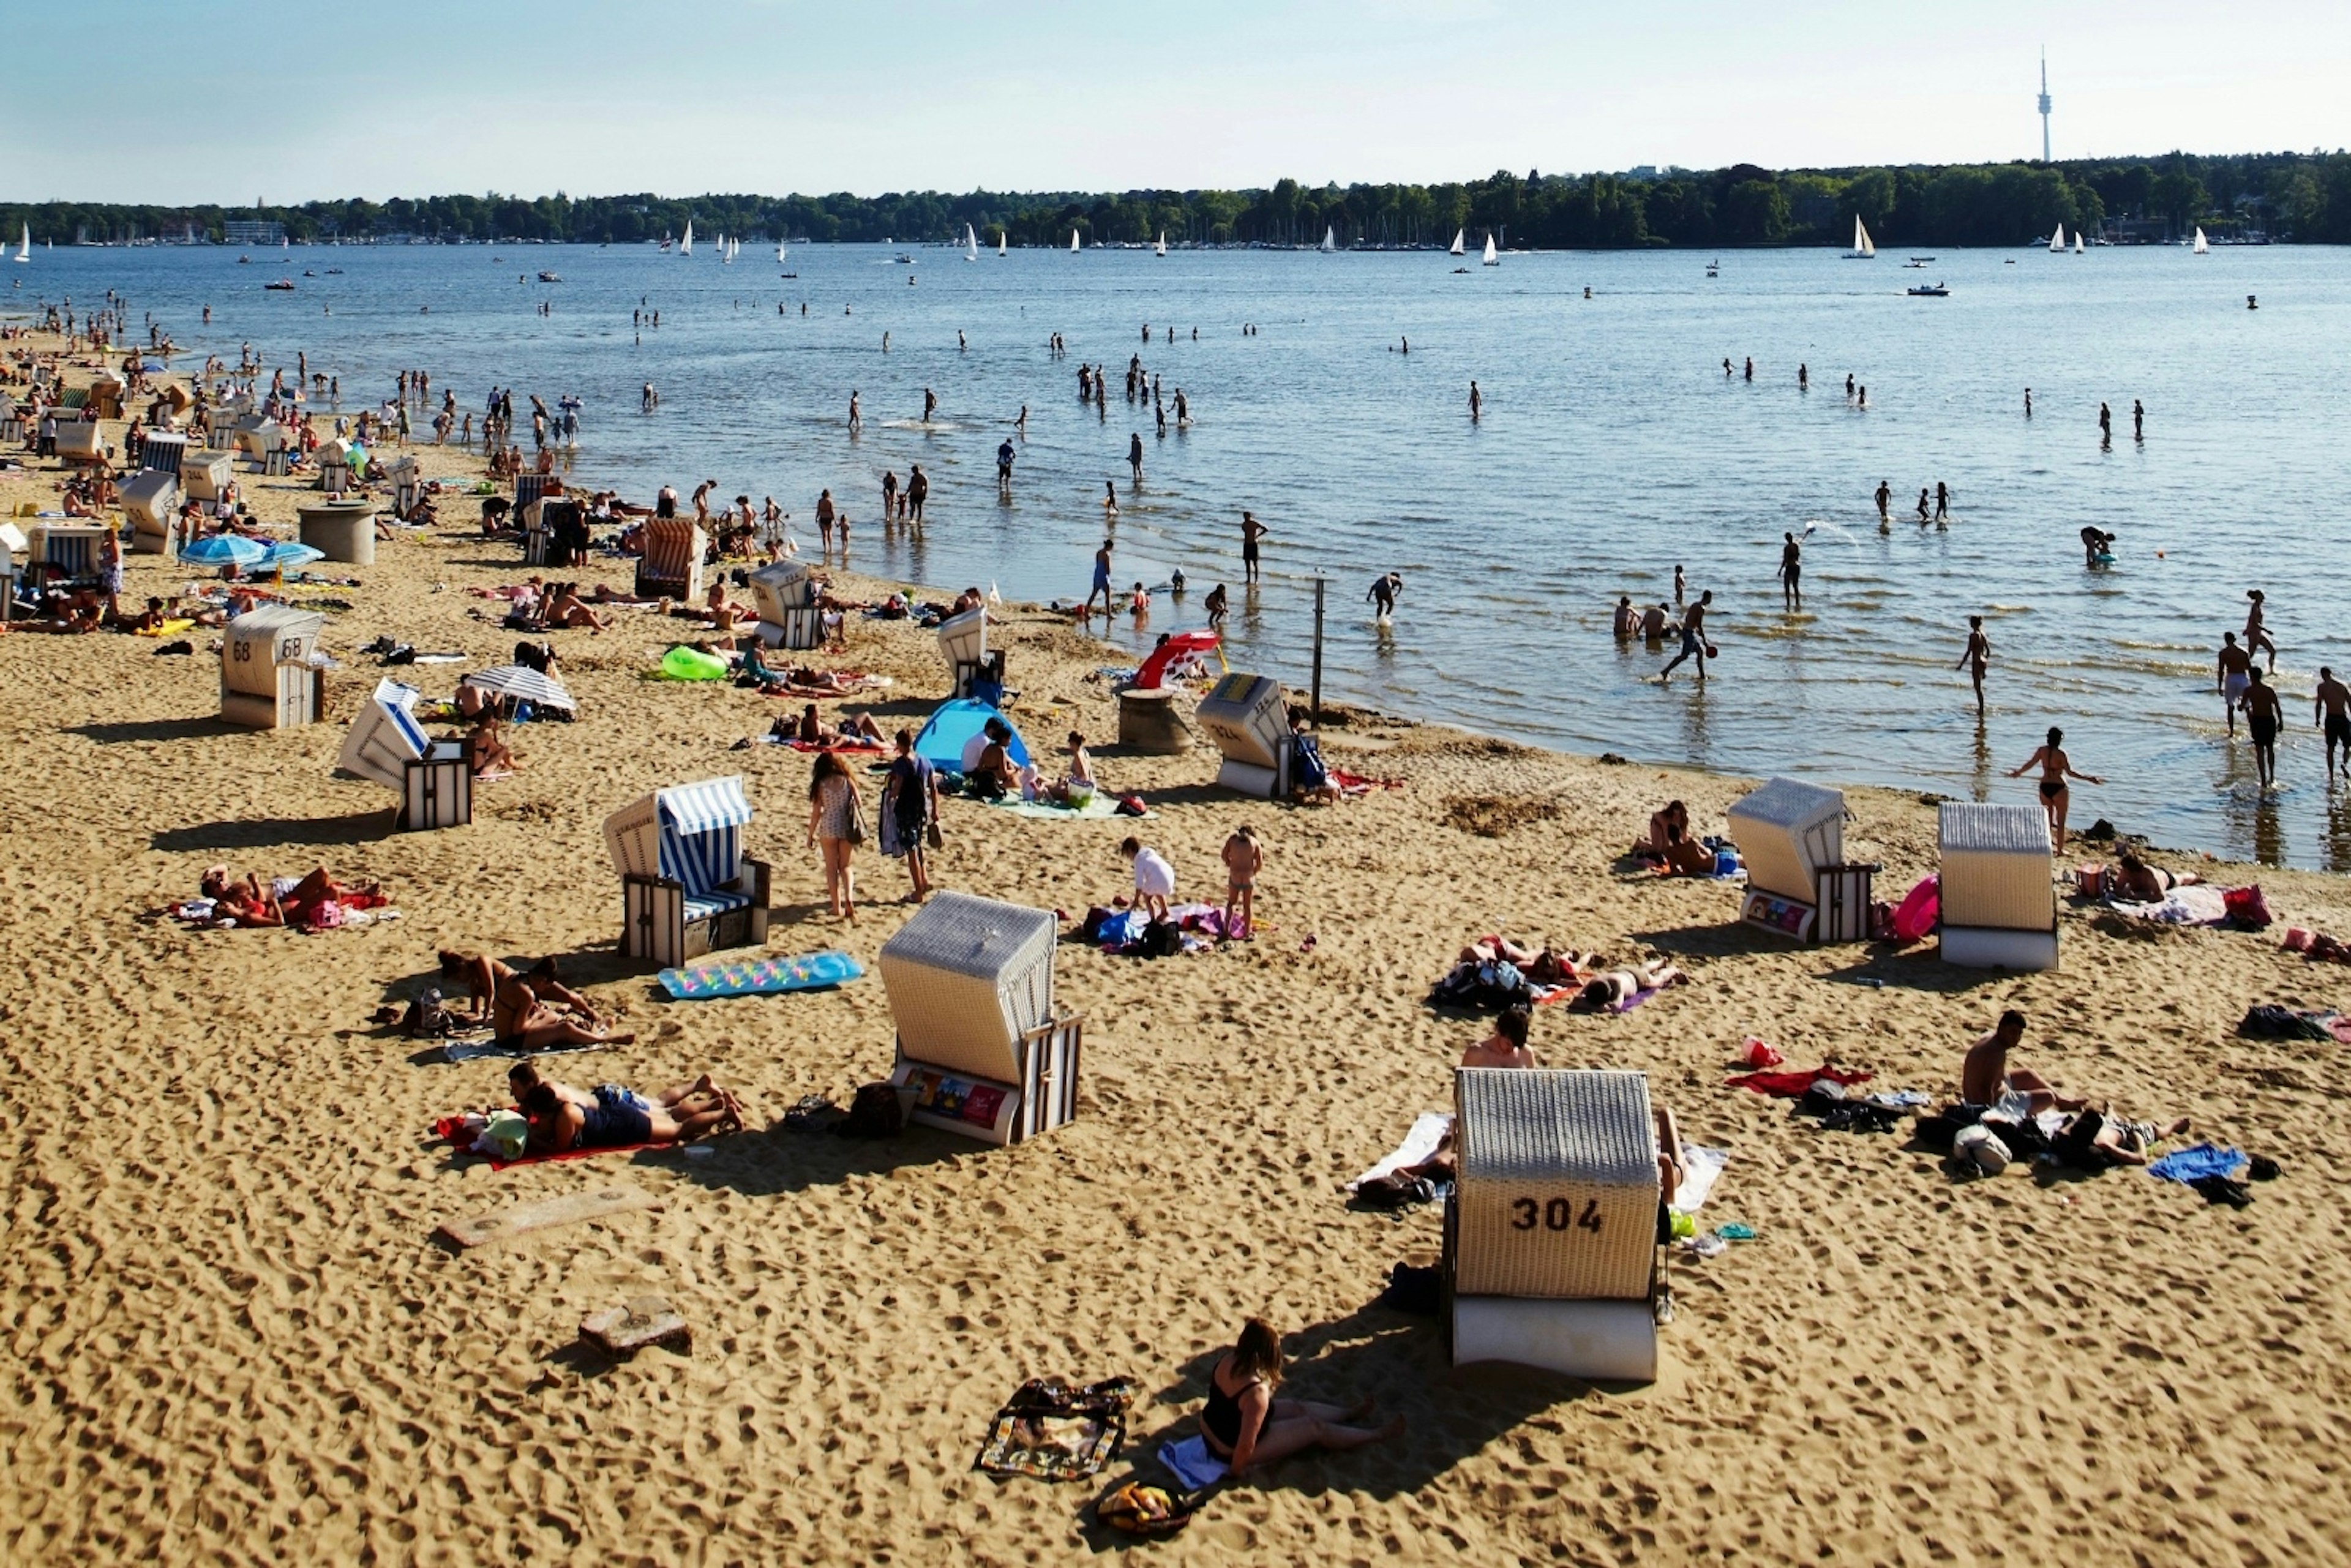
(186, 100)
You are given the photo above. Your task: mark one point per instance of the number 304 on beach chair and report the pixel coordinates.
(1551, 1236)
(686, 887)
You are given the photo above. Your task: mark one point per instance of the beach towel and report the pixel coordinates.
(1191, 1464)
(470, 1050)
(461, 1132)
(2194, 905)
(1700, 1166)
(1790, 1086)
(1103, 803)
(1054, 1432)
(1635, 1000)
(839, 748)
(1428, 1129)
(759, 977)
(2193, 1164)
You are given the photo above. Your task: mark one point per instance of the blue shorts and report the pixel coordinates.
(619, 1119)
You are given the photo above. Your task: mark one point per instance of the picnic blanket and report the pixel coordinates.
(1428, 1129)
(1103, 803)
(2197, 903)
(759, 977)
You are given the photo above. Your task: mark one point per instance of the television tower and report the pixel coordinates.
(2044, 106)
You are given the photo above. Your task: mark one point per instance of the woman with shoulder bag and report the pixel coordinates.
(910, 814)
(837, 826)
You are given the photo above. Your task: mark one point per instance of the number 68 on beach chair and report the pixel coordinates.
(686, 887)
(1551, 1236)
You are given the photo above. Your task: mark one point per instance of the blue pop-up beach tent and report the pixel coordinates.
(952, 726)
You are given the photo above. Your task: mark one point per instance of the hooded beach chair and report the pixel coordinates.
(163, 452)
(1248, 718)
(686, 887)
(1551, 1238)
(671, 564)
(151, 499)
(1798, 884)
(66, 555)
(388, 746)
(270, 674)
(1996, 888)
(980, 1053)
(785, 594)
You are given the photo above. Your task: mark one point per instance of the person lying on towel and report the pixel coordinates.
(1619, 986)
(523, 1012)
(609, 1116)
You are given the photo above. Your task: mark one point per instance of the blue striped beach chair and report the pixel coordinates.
(686, 887)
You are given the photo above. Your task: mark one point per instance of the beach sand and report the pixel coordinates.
(232, 1336)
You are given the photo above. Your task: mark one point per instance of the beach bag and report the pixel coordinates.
(503, 1136)
(426, 1018)
(1160, 939)
(2246, 907)
(856, 833)
(874, 1112)
(1979, 1150)
(1130, 806)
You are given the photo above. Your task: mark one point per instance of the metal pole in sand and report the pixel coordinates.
(1315, 708)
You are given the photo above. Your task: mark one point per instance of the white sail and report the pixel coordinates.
(970, 244)
(1161, 249)
(1073, 242)
(1330, 240)
(24, 245)
(2200, 248)
(779, 250)
(685, 244)
(1458, 235)
(1001, 237)
(1493, 257)
(1863, 249)
(2057, 240)
(2079, 248)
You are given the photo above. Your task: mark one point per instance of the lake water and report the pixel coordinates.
(1611, 448)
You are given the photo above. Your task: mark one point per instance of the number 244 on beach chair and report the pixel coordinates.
(686, 887)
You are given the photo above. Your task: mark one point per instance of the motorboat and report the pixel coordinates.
(1930, 291)
(282, 285)
(550, 277)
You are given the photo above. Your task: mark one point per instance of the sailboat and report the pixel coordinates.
(970, 244)
(779, 252)
(1330, 240)
(1457, 236)
(1001, 235)
(685, 244)
(1862, 249)
(1073, 242)
(2079, 248)
(2199, 248)
(24, 245)
(2057, 241)
(1161, 248)
(722, 250)
(1493, 257)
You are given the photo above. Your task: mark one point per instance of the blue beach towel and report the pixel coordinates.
(1191, 1464)
(2195, 1162)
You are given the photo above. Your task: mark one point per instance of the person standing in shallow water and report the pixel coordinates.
(1791, 573)
(1477, 403)
(1977, 657)
(1693, 638)
(1251, 531)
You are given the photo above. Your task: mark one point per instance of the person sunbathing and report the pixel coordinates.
(721, 612)
(286, 901)
(856, 729)
(606, 594)
(682, 1099)
(618, 1119)
(2134, 880)
(151, 619)
(1245, 1425)
(2093, 1140)
(1612, 989)
(1670, 840)
(520, 1019)
(1544, 966)
(1506, 1047)
(486, 752)
(1987, 1081)
(564, 608)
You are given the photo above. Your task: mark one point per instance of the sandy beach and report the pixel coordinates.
(232, 1335)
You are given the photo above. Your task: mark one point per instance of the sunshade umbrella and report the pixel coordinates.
(290, 553)
(524, 684)
(225, 550)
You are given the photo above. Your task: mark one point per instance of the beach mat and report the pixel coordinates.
(1103, 804)
(759, 977)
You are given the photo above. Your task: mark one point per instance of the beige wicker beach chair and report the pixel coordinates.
(1998, 890)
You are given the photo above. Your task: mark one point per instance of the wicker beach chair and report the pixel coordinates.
(1998, 887)
(980, 1053)
(784, 592)
(1550, 1245)
(672, 565)
(1798, 884)
(686, 887)
(388, 746)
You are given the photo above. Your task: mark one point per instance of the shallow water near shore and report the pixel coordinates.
(1613, 447)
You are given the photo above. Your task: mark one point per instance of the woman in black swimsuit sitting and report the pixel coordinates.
(1245, 1425)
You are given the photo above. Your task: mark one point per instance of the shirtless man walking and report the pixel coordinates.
(2232, 677)
(2264, 716)
(1979, 655)
(1884, 504)
(2333, 715)
(1791, 573)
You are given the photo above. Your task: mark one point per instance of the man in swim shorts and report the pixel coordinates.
(2231, 678)
(1693, 637)
(2265, 716)
(1102, 579)
(2334, 717)
(1985, 1078)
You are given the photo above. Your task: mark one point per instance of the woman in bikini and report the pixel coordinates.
(1245, 1425)
(2135, 881)
(2056, 768)
(1612, 989)
(520, 1019)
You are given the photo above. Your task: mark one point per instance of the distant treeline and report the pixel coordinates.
(2286, 196)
